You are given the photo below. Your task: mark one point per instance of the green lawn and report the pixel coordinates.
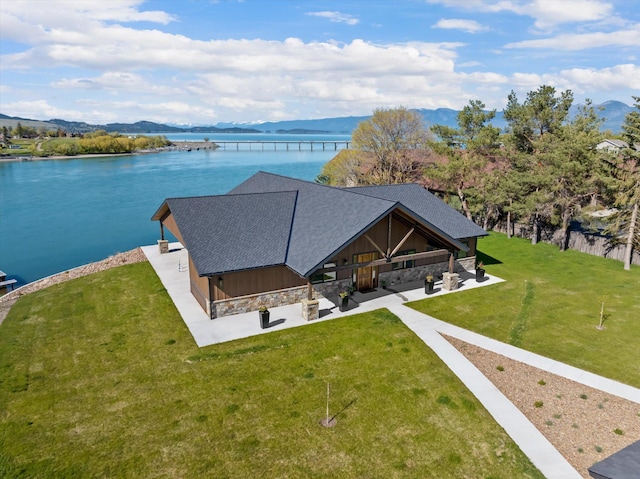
(550, 304)
(99, 377)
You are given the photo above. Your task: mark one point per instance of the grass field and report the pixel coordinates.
(550, 304)
(99, 377)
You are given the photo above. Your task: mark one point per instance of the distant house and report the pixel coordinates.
(275, 240)
(612, 146)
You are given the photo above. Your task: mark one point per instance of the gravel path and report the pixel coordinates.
(586, 425)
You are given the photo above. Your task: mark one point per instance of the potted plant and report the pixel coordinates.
(264, 316)
(428, 284)
(384, 284)
(344, 300)
(480, 271)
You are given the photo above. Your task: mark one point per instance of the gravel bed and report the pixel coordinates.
(586, 425)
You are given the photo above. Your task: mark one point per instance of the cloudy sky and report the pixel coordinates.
(210, 61)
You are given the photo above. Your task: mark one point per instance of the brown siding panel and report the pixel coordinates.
(256, 281)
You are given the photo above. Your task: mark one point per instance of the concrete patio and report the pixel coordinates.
(172, 269)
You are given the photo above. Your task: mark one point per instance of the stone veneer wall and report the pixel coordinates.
(273, 299)
(284, 297)
(400, 276)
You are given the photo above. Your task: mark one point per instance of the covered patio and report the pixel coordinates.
(172, 269)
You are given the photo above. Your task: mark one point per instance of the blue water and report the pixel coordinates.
(59, 214)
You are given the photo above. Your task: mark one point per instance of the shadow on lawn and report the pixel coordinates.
(486, 259)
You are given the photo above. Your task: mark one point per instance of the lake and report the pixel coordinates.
(60, 214)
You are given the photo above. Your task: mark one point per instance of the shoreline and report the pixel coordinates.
(62, 157)
(175, 146)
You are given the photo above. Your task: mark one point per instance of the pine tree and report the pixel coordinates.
(532, 129)
(624, 225)
(468, 149)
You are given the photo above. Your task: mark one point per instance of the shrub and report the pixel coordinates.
(538, 404)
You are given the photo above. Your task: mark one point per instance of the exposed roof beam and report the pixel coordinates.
(406, 237)
(378, 262)
(366, 235)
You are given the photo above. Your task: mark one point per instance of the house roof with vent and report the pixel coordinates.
(273, 220)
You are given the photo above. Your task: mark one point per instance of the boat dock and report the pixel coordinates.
(6, 283)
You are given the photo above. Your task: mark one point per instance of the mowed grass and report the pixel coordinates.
(550, 304)
(99, 377)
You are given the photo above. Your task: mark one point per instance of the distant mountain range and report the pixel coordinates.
(613, 113)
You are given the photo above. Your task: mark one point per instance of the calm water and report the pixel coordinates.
(59, 214)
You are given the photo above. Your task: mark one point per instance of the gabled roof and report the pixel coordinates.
(271, 219)
(427, 206)
(244, 231)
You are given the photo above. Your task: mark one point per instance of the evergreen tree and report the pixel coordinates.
(531, 127)
(625, 168)
(468, 149)
(572, 160)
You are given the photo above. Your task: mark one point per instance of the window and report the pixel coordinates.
(405, 264)
(325, 277)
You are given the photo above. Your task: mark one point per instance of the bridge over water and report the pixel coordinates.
(284, 145)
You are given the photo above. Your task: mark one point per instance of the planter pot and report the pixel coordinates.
(428, 287)
(264, 319)
(479, 274)
(343, 303)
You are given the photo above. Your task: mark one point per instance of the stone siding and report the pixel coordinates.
(400, 276)
(285, 297)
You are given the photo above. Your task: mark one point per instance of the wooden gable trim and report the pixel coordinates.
(381, 261)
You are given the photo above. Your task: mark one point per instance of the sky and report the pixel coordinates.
(202, 62)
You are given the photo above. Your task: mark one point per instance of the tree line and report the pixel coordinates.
(102, 142)
(98, 141)
(543, 170)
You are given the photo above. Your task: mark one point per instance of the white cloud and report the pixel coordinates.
(582, 41)
(41, 109)
(583, 80)
(547, 14)
(336, 17)
(469, 26)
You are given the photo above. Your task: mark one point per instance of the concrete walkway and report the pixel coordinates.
(171, 268)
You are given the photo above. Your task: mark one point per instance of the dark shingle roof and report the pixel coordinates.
(427, 206)
(235, 232)
(270, 219)
(624, 464)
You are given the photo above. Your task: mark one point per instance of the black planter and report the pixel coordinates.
(343, 303)
(264, 319)
(479, 274)
(428, 287)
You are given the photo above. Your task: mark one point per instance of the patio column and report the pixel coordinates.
(450, 280)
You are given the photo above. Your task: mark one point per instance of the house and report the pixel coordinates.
(275, 240)
(612, 146)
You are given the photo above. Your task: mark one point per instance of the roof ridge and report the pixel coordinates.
(231, 194)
